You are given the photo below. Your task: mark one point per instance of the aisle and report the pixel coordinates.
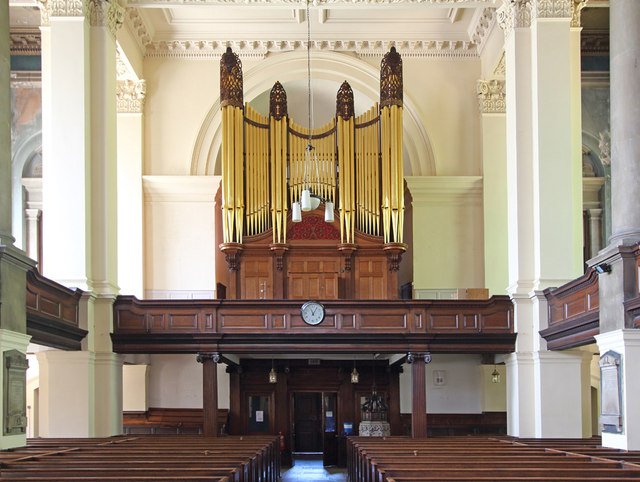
(308, 468)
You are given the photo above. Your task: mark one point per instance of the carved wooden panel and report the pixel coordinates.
(371, 278)
(257, 278)
(319, 286)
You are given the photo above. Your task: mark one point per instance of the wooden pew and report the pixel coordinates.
(169, 421)
(402, 459)
(229, 459)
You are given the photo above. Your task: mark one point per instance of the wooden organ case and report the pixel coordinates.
(356, 165)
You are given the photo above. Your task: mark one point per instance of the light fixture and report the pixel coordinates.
(603, 268)
(495, 376)
(309, 200)
(273, 375)
(355, 376)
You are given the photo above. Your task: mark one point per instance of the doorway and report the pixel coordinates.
(307, 422)
(314, 425)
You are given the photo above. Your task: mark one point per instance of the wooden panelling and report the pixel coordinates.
(316, 286)
(261, 326)
(228, 320)
(371, 278)
(52, 313)
(443, 322)
(383, 322)
(573, 313)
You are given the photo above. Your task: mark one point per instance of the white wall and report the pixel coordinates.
(175, 381)
(179, 234)
(462, 391)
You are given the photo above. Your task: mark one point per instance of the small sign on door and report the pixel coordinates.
(259, 416)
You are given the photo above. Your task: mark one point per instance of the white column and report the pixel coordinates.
(491, 97)
(544, 209)
(79, 195)
(130, 96)
(626, 342)
(5, 127)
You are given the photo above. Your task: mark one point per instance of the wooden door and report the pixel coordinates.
(330, 428)
(307, 422)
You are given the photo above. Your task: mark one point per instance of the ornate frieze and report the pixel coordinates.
(446, 49)
(61, 8)
(138, 28)
(315, 3)
(553, 8)
(484, 25)
(594, 42)
(130, 96)
(24, 41)
(491, 96)
(519, 13)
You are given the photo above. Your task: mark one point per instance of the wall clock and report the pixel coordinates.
(312, 313)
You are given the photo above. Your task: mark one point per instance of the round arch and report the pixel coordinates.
(326, 66)
(23, 154)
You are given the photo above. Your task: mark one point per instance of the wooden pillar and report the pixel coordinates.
(209, 392)
(235, 422)
(418, 393)
(394, 401)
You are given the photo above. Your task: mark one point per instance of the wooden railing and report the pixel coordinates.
(253, 326)
(52, 313)
(574, 310)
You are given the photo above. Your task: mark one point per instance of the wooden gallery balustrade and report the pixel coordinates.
(350, 326)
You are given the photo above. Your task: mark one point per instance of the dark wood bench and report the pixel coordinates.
(184, 457)
(403, 459)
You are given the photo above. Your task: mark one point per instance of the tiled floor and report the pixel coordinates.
(308, 468)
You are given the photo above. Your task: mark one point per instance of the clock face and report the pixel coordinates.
(312, 312)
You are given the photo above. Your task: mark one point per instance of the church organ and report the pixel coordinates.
(353, 162)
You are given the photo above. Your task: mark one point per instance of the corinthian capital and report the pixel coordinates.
(103, 13)
(576, 10)
(491, 96)
(553, 8)
(61, 8)
(514, 14)
(130, 96)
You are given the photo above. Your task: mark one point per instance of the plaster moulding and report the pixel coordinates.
(492, 96)
(24, 41)
(443, 49)
(130, 96)
(317, 3)
(180, 188)
(449, 190)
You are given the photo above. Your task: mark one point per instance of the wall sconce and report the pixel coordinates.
(603, 268)
(355, 376)
(273, 376)
(439, 378)
(495, 376)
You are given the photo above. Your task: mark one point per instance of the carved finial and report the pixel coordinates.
(230, 79)
(344, 101)
(391, 79)
(278, 101)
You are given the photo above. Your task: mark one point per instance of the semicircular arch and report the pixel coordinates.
(326, 66)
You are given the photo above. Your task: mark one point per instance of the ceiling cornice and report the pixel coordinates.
(317, 3)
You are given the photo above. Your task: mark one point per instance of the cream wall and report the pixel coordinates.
(448, 227)
(462, 391)
(175, 381)
(179, 235)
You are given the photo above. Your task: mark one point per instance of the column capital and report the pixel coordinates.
(130, 96)
(417, 357)
(515, 14)
(203, 357)
(103, 13)
(492, 96)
